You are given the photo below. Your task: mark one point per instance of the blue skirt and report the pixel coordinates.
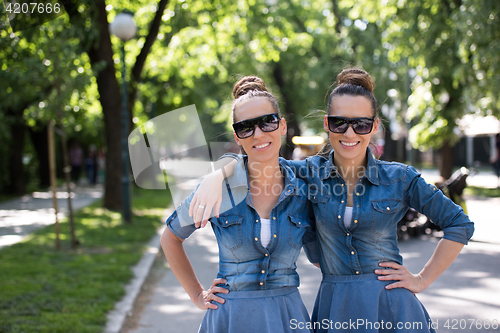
(360, 303)
(263, 311)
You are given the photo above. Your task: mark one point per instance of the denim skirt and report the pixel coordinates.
(360, 303)
(261, 311)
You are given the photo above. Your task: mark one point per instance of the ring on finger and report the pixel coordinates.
(200, 206)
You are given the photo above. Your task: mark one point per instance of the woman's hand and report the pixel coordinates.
(208, 196)
(412, 282)
(205, 298)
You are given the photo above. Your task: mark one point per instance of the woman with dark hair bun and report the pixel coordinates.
(357, 202)
(259, 238)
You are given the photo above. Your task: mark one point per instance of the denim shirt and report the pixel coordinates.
(243, 261)
(381, 198)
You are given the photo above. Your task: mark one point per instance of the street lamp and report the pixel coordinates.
(124, 28)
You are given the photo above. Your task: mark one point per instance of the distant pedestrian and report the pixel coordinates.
(101, 166)
(91, 165)
(495, 159)
(76, 161)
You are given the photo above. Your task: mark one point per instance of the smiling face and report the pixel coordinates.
(261, 146)
(349, 147)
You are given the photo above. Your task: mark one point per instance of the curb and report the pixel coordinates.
(116, 318)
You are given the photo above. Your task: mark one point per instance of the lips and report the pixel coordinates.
(263, 145)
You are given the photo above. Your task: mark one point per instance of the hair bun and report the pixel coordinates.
(247, 84)
(356, 77)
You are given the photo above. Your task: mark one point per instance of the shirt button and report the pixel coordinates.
(352, 252)
(357, 205)
(266, 254)
(262, 271)
(262, 283)
(274, 217)
(355, 221)
(342, 201)
(299, 223)
(256, 220)
(314, 197)
(342, 185)
(388, 208)
(274, 236)
(226, 222)
(357, 272)
(340, 216)
(256, 239)
(357, 194)
(348, 234)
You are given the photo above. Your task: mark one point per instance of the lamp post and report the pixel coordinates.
(124, 28)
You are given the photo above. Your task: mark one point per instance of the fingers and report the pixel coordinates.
(217, 207)
(395, 285)
(206, 214)
(390, 277)
(390, 264)
(218, 281)
(217, 299)
(194, 203)
(198, 213)
(385, 271)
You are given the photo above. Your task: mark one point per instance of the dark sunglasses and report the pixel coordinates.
(267, 123)
(359, 125)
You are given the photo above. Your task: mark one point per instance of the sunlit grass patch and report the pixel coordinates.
(46, 290)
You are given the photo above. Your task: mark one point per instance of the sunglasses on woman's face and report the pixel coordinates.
(359, 125)
(267, 123)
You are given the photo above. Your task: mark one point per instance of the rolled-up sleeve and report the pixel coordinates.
(430, 201)
(180, 223)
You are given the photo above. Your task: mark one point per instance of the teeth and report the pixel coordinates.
(263, 145)
(349, 144)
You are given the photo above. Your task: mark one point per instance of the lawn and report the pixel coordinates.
(46, 290)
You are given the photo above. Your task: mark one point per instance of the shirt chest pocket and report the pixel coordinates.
(297, 228)
(320, 205)
(386, 214)
(229, 230)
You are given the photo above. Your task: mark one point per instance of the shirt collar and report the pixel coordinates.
(240, 175)
(371, 172)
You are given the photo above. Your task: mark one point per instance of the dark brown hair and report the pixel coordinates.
(354, 82)
(250, 87)
(350, 82)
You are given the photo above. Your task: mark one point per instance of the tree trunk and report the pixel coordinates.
(446, 160)
(17, 184)
(109, 92)
(289, 112)
(38, 137)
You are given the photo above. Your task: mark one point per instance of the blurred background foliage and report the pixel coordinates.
(433, 61)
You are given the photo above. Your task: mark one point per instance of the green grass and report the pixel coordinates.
(46, 290)
(482, 191)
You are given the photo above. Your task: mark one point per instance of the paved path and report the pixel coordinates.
(21, 216)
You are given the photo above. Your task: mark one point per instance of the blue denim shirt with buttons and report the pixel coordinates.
(243, 261)
(381, 198)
